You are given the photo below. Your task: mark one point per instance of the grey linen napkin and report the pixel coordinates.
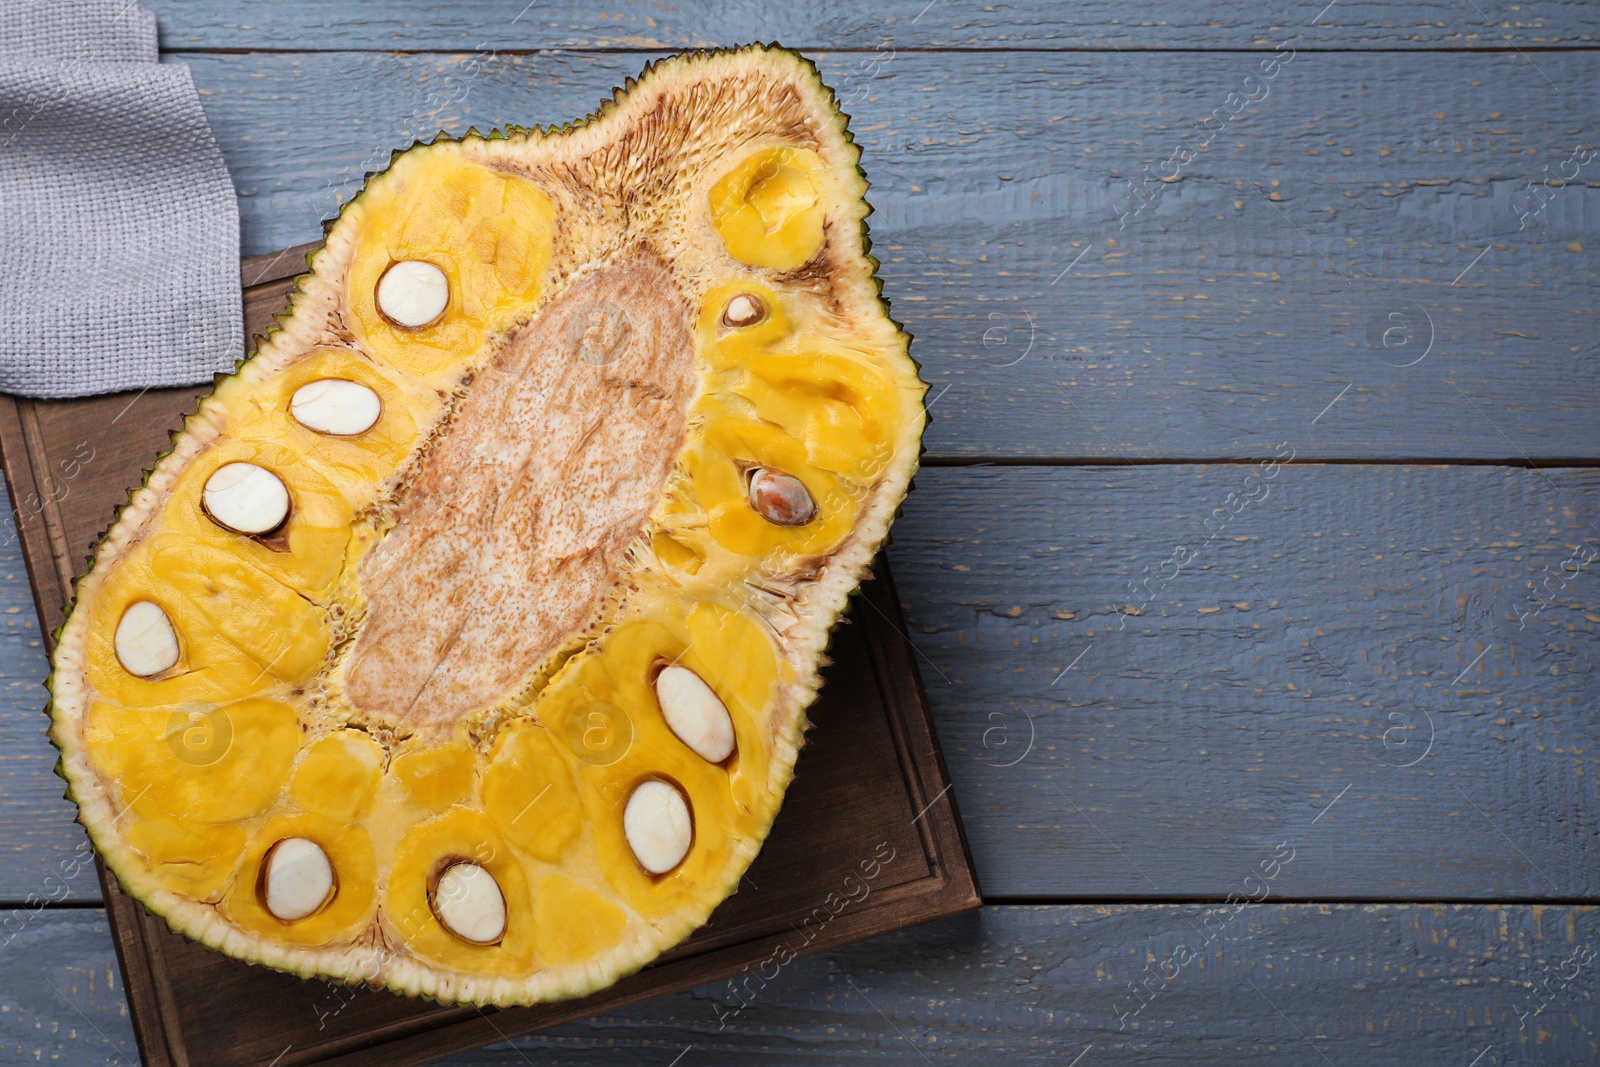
(117, 217)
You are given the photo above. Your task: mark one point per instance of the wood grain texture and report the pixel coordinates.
(1190, 744)
(1316, 635)
(1326, 243)
(427, 25)
(1378, 986)
(46, 857)
(1313, 642)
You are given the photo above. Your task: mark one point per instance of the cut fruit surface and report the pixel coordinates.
(528, 483)
(462, 644)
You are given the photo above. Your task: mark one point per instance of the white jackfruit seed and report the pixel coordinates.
(657, 825)
(335, 406)
(413, 293)
(470, 905)
(246, 499)
(299, 879)
(743, 310)
(145, 641)
(695, 713)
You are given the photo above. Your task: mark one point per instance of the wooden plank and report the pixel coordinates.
(1365, 637)
(1387, 272)
(1198, 733)
(427, 25)
(47, 858)
(1379, 986)
(61, 998)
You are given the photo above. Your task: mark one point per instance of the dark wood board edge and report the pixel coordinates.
(27, 511)
(52, 569)
(491, 1026)
(275, 266)
(149, 1010)
(943, 819)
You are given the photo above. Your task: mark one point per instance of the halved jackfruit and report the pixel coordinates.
(462, 644)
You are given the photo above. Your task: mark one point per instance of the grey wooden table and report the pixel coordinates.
(1253, 569)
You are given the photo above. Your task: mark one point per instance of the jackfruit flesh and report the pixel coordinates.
(462, 643)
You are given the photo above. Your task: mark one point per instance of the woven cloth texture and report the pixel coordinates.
(119, 218)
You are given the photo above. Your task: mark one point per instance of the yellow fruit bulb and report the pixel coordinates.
(209, 670)
(357, 465)
(459, 835)
(719, 466)
(574, 923)
(529, 791)
(186, 855)
(435, 777)
(771, 329)
(734, 654)
(339, 775)
(839, 408)
(727, 652)
(307, 553)
(353, 900)
(770, 208)
(489, 231)
(283, 634)
(208, 762)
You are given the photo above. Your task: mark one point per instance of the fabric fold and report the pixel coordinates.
(119, 214)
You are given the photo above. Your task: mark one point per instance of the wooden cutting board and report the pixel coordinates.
(870, 802)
